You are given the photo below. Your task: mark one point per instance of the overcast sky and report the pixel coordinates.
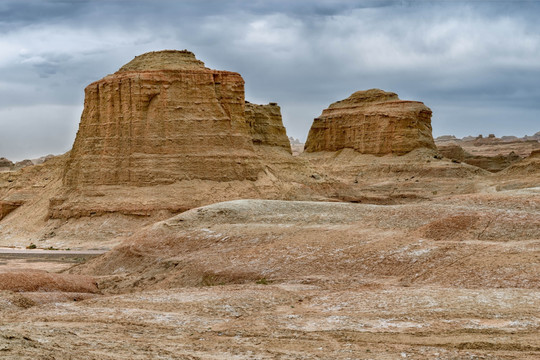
(475, 63)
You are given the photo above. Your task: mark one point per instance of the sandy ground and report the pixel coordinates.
(454, 277)
(282, 321)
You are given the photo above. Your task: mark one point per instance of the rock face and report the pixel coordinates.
(489, 163)
(372, 122)
(162, 118)
(7, 207)
(266, 125)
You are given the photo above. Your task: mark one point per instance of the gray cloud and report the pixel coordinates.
(475, 63)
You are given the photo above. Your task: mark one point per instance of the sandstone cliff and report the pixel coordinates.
(162, 118)
(266, 125)
(372, 122)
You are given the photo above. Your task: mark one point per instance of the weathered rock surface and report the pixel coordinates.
(7, 207)
(162, 118)
(489, 163)
(22, 164)
(372, 122)
(5, 163)
(492, 146)
(266, 125)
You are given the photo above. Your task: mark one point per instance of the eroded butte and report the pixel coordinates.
(218, 243)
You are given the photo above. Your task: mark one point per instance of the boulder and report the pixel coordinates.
(162, 118)
(372, 122)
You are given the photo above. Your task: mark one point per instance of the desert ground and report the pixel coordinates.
(449, 278)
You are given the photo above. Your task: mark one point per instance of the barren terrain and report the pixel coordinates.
(181, 226)
(449, 278)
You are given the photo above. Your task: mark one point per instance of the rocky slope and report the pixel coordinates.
(372, 122)
(451, 278)
(490, 153)
(491, 145)
(490, 163)
(285, 241)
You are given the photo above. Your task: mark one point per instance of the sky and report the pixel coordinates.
(475, 63)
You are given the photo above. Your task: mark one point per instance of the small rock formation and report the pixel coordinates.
(22, 164)
(446, 138)
(5, 164)
(536, 137)
(372, 122)
(489, 163)
(535, 154)
(266, 125)
(7, 207)
(161, 118)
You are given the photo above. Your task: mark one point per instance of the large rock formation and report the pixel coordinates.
(162, 118)
(372, 122)
(267, 126)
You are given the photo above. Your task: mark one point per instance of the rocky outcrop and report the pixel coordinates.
(22, 164)
(372, 122)
(162, 118)
(266, 125)
(489, 163)
(5, 164)
(490, 153)
(6, 207)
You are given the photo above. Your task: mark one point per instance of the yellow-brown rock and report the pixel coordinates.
(372, 122)
(266, 125)
(162, 118)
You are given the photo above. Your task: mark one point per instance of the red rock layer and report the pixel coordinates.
(372, 122)
(161, 118)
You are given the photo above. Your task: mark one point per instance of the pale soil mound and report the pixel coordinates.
(38, 281)
(255, 240)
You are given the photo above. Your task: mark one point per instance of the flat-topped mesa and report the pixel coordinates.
(161, 118)
(266, 125)
(372, 122)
